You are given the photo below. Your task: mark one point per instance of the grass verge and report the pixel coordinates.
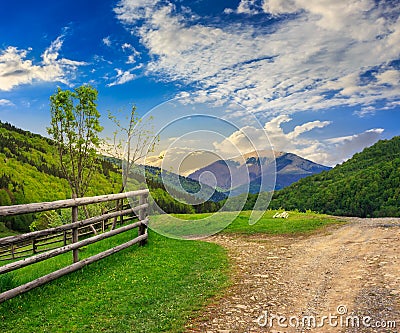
(189, 225)
(156, 288)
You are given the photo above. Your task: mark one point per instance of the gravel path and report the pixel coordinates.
(350, 274)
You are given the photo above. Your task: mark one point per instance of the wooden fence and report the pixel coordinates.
(44, 244)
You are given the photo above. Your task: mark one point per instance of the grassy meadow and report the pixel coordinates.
(192, 225)
(155, 288)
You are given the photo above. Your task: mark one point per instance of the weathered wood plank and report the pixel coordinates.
(49, 243)
(66, 270)
(29, 236)
(75, 235)
(53, 253)
(68, 203)
(142, 215)
(47, 238)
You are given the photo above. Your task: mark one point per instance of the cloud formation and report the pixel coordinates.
(122, 77)
(16, 69)
(6, 102)
(107, 41)
(316, 55)
(324, 151)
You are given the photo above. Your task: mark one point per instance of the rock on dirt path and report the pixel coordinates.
(349, 273)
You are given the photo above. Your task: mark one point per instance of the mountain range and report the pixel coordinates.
(254, 172)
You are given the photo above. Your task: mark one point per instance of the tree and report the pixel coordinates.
(75, 127)
(132, 140)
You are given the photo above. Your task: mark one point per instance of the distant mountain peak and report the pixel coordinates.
(237, 174)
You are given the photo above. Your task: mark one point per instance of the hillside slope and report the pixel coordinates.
(366, 185)
(29, 172)
(29, 168)
(243, 177)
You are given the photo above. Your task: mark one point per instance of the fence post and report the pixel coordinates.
(34, 247)
(75, 253)
(121, 218)
(142, 216)
(114, 224)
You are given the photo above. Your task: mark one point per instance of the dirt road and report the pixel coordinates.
(348, 274)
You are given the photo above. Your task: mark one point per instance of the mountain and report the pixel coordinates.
(243, 174)
(290, 168)
(188, 186)
(366, 185)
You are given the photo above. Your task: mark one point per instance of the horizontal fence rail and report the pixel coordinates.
(27, 245)
(68, 203)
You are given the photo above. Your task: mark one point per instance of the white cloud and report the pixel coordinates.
(107, 41)
(336, 15)
(185, 153)
(131, 59)
(129, 11)
(345, 147)
(6, 102)
(228, 11)
(391, 77)
(325, 151)
(249, 137)
(122, 77)
(247, 7)
(277, 7)
(135, 54)
(286, 68)
(16, 69)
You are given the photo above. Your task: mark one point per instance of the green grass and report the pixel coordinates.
(156, 288)
(296, 223)
(191, 225)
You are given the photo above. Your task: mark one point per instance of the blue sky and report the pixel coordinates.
(322, 77)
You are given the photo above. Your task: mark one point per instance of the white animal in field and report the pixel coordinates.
(283, 215)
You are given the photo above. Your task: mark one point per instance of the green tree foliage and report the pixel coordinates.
(75, 127)
(367, 185)
(5, 199)
(175, 200)
(29, 172)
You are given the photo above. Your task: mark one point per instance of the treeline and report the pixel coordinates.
(177, 182)
(367, 185)
(172, 199)
(162, 202)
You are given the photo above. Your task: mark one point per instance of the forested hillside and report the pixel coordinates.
(366, 185)
(29, 172)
